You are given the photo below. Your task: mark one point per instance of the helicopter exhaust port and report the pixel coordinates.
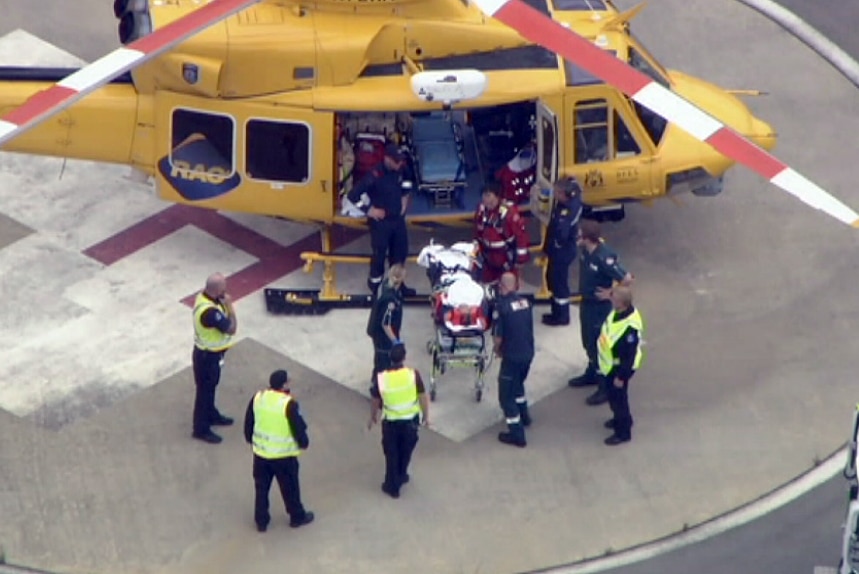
(696, 181)
(135, 22)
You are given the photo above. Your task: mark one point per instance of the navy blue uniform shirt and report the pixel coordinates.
(387, 312)
(598, 269)
(563, 228)
(384, 188)
(293, 415)
(513, 322)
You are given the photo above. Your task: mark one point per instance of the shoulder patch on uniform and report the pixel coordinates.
(495, 314)
(630, 338)
(610, 260)
(519, 305)
(391, 306)
(219, 316)
(565, 211)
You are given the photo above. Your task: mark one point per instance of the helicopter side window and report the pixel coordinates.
(591, 131)
(202, 142)
(625, 144)
(277, 151)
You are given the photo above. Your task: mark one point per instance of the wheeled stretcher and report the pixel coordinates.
(437, 147)
(460, 312)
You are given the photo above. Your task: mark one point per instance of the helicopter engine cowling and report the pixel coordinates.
(135, 22)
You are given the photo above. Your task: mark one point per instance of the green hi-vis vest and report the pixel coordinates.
(272, 436)
(399, 393)
(206, 338)
(610, 333)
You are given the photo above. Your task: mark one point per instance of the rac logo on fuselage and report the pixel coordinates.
(197, 171)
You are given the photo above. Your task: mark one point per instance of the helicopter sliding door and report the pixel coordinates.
(547, 146)
(245, 156)
(611, 155)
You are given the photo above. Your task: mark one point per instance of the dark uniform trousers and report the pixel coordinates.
(592, 315)
(285, 470)
(399, 439)
(618, 400)
(207, 374)
(511, 395)
(558, 281)
(388, 237)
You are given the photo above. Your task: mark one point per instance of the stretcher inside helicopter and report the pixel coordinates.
(450, 154)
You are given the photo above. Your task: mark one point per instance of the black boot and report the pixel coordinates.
(515, 435)
(586, 379)
(559, 316)
(407, 291)
(599, 397)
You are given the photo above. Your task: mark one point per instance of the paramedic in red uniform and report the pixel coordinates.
(501, 235)
(383, 194)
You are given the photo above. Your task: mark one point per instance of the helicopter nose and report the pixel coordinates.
(762, 134)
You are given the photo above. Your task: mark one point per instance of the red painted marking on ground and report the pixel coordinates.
(140, 235)
(737, 147)
(278, 261)
(274, 259)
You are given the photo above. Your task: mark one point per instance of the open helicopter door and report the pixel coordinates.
(245, 156)
(547, 161)
(547, 145)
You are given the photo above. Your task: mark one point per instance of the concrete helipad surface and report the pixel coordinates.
(747, 297)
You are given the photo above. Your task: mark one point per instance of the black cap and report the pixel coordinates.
(278, 379)
(570, 185)
(393, 151)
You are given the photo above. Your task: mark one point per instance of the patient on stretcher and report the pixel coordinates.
(465, 318)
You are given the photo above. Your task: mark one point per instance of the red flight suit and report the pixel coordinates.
(502, 239)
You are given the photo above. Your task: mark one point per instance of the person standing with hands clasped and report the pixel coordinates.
(399, 394)
(215, 323)
(599, 269)
(560, 248)
(513, 335)
(620, 355)
(278, 433)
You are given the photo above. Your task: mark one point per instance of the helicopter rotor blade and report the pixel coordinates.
(544, 31)
(46, 103)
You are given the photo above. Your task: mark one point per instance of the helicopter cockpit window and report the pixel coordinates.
(578, 5)
(644, 63)
(277, 151)
(591, 131)
(624, 144)
(202, 142)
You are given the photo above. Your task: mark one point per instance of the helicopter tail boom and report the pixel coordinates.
(101, 127)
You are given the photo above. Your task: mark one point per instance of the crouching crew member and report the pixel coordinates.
(383, 194)
(560, 248)
(501, 235)
(215, 323)
(386, 319)
(619, 357)
(278, 433)
(598, 269)
(400, 396)
(513, 334)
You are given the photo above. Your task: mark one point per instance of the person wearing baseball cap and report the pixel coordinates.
(277, 431)
(560, 247)
(383, 194)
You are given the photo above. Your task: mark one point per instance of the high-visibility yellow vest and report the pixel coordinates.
(610, 333)
(209, 338)
(272, 437)
(399, 393)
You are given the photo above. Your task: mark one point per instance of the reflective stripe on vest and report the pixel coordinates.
(610, 333)
(206, 338)
(272, 436)
(399, 391)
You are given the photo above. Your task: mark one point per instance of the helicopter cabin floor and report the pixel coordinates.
(451, 153)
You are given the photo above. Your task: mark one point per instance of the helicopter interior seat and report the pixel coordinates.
(438, 149)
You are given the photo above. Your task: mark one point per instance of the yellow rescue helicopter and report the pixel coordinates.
(275, 107)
